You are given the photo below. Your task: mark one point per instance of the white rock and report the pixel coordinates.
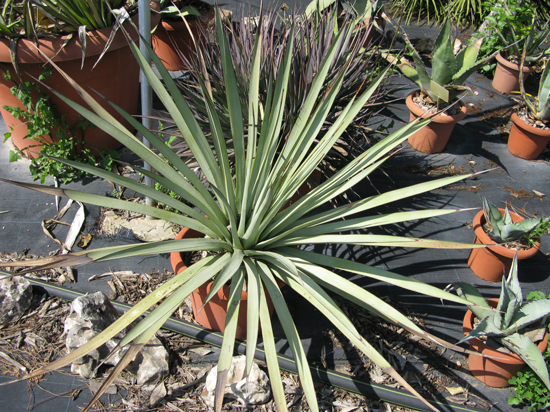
(15, 297)
(253, 389)
(90, 315)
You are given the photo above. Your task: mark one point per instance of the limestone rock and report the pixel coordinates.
(90, 315)
(146, 230)
(15, 298)
(253, 389)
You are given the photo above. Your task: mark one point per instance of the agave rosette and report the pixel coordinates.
(508, 320)
(253, 239)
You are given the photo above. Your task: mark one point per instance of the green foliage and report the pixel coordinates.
(43, 121)
(506, 322)
(504, 230)
(512, 26)
(528, 389)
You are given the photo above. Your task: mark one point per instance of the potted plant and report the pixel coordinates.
(239, 207)
(497, 329)
(516, 27)
(439, 88)
(75, 35)
(182, 23)
(508, 235)
(530, 132)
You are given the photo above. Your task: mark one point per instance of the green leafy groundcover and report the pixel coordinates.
(529, 390)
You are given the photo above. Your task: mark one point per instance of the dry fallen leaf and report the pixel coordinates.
(157, 394)
(84, 241)
(454, 391)
(201, 351)
(537, 193)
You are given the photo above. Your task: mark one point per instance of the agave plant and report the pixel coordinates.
(539, 106)
(449, 71)
(252, 238)
(504, 230)
(506, 322)
(312, 37)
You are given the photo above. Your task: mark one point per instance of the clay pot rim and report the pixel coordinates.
(481, 347)
(440, 118)
(526, 126)
(506, 63)
(478, 221)
(55, 48)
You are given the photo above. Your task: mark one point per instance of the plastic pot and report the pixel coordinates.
(506, 79)
(492, 262)
(526, 141)
(493, 372)
(434, 137)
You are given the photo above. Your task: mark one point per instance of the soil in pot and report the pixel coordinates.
(492, 262)
(171, 40)
(434, 137)
(506, 79)
(527, 138)
(491, 371)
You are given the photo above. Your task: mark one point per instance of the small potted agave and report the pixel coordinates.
(508, 235)
(439, 88)
(530, 132)
(507, 332)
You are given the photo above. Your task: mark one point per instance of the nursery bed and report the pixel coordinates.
(478, 144)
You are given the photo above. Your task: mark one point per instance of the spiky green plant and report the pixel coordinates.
(539, 106)
(252, 237)
(506, 322)
(449, 71)
(312, 38)
(503, 229)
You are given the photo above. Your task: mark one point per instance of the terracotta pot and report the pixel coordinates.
(116, 77)
(434, 137)
(213, 314)
(493, 372)
(492, 262)
(172, 38)
(506, 79)
(526, 141)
